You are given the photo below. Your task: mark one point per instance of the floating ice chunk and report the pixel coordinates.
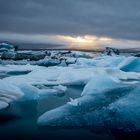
(6, 87)
(3, 105)
(85, 61)
(99, 83)
(8, 94)
(111, 51)
(30, 92)
(73, 102)
(54, 90)
(65, 75)
(48, 62)
(127, 110)
(109, 79)
(14, 62)
(56, 76)
(86, 113)
(121, 76)
(76, 76)
(130, 64)
(6, 99)
(102, 61)
(6, 46)
(122, 113)
(71, 60)
(63, 63)
(8, 55)
(18, 68)
(61, 88)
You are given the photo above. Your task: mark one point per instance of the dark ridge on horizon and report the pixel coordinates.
(65, 49)
(131, 50)
(53, 46)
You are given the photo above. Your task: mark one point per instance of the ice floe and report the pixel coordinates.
(91, 110)
(54, 90)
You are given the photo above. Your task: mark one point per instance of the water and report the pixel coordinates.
(4, 74)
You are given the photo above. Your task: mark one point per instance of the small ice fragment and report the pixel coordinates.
(73, 102)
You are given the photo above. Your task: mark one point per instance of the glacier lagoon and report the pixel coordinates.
(79, 97)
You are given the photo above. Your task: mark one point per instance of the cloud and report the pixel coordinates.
(109, 18)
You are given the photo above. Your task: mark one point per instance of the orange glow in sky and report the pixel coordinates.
(85, 42)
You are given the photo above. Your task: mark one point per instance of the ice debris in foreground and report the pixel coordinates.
(8, 94)
(103, 103)
(73, 102)
(52, 91)
(110, 97)
(100, 110)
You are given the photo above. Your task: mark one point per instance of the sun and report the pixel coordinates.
(80, 39)
(76, 39)
(84, 41)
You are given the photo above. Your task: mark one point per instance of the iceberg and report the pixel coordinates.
(30, 92)
(6, 47)
(100, 83)
(30, 55)
(111, 51)
(81, 114)
(48, 62)
(101, 61)
(8, 55)
(130, 64)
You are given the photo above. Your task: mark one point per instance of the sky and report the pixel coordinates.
(75, 23)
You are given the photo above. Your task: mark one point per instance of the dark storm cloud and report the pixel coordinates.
(112, 18)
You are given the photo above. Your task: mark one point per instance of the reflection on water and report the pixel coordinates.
(12, 73)
(7, 117)
(3, 74)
